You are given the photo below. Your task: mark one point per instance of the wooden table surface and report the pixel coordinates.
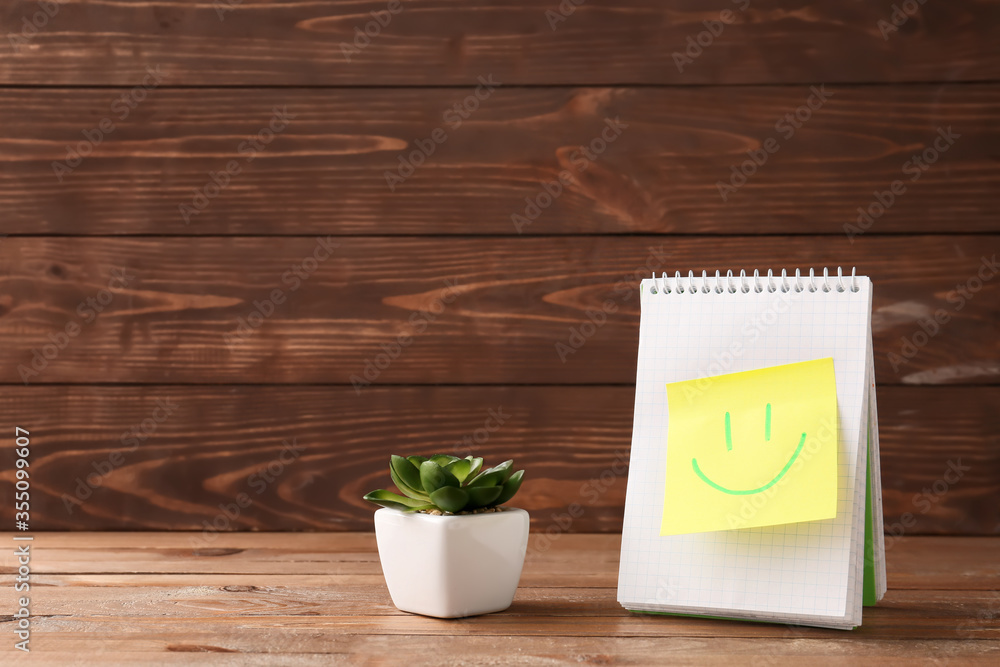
(268, 598)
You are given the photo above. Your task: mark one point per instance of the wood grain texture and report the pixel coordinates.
(90, 471)
(258, 647)
(449, 310)
(266, 42)
(326, 171)
(250, 607)
(936, 616)
(289, 595)
(916, 563)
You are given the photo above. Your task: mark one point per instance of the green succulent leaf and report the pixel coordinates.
(434, 477)
(450, 498)
(447, 483)
(395, 501)
(460, 469)
(510, 487)
(406, 477)
(494, 476)
(477, 465)
(443, 459)
(481, 496)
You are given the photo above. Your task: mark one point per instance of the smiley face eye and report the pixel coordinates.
(729, 428)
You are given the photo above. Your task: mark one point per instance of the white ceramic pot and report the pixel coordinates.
(451, 566)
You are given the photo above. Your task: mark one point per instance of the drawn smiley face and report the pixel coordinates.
(729, 447)
(718, 467)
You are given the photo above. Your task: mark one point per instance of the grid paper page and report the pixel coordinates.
(796, 570)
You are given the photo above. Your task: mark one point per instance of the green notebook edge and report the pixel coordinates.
(869, 592)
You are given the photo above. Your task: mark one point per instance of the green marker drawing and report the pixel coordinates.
(729, 435)
(767, 424)
(729, 447)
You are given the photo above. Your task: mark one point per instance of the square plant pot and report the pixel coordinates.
(451, 566)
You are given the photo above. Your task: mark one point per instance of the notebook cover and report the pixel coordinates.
(867, 530)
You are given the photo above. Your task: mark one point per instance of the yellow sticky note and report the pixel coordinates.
(757, 448)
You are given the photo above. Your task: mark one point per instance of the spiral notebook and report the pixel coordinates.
(754, 489)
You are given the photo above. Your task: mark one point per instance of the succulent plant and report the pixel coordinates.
(447, 483)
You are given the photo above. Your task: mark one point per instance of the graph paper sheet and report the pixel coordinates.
(808, 573)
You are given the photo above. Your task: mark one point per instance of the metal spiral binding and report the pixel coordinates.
(743, 283)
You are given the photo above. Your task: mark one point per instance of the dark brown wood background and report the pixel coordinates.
(649, 201)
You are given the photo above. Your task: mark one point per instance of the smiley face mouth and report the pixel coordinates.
(750, 492)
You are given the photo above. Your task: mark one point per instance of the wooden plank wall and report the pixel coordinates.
(250, 250)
